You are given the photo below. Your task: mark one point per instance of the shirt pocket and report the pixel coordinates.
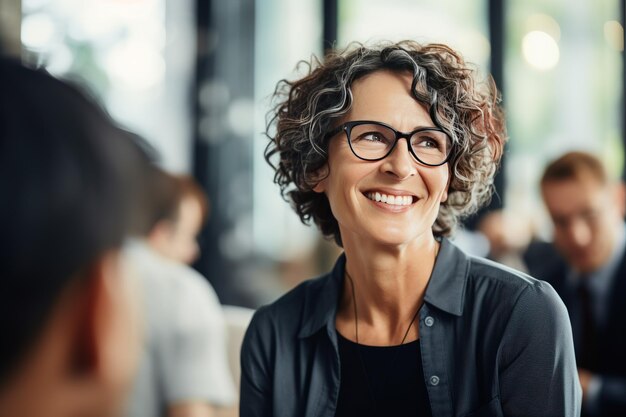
(491, 409)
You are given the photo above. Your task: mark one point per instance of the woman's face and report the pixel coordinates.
(410, 192)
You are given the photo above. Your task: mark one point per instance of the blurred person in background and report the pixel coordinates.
(70, 186)
(587, 209)
(184, 367)
(508, 237)
(175, 234)
(384, 148)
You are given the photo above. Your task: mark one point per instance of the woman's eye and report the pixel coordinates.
(427, 142)
(372, 137)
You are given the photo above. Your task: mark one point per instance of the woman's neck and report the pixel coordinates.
(389, 287)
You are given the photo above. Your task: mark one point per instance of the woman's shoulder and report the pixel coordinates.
(481, 269)
(289, 310)
(508, 285)
(528, 311)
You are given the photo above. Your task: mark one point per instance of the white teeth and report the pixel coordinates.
(399, 200)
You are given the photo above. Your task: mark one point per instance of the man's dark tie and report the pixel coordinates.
(588, 357)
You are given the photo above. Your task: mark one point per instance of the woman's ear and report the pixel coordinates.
(319, 187)
(321, 175)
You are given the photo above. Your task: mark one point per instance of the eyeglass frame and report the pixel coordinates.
(347, 128)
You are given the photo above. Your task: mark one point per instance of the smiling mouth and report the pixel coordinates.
(397, 200)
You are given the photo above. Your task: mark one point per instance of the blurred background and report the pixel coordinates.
(194, 77)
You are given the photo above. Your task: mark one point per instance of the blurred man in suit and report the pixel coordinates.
(587, 209)
(70, 186)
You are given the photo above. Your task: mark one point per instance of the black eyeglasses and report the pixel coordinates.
(373, 141)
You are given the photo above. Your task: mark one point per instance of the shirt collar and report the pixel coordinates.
(445, 291)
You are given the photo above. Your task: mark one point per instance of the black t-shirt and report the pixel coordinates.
(381, 381)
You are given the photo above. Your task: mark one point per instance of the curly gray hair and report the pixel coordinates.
(306, 109)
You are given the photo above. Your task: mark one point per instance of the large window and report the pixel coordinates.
(135, 56)
(562, 89)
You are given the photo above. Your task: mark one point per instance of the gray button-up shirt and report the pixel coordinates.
(494, 342)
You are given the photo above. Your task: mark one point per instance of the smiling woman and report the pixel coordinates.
(440, 80)
(395, 175)
(406, 323)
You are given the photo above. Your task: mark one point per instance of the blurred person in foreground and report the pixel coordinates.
(184, 368)
(384, 148)
(70, 190)
(587, 208)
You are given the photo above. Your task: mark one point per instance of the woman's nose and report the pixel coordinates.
(400, 163)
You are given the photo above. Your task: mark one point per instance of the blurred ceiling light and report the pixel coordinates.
(544, 23)
(38, 31)
(240, 117)
(214, 95)
(211, 129)
(540, 50)
(137, 64)
(614, 34)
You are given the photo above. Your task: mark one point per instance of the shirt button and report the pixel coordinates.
(429, 321)
(434, 380)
